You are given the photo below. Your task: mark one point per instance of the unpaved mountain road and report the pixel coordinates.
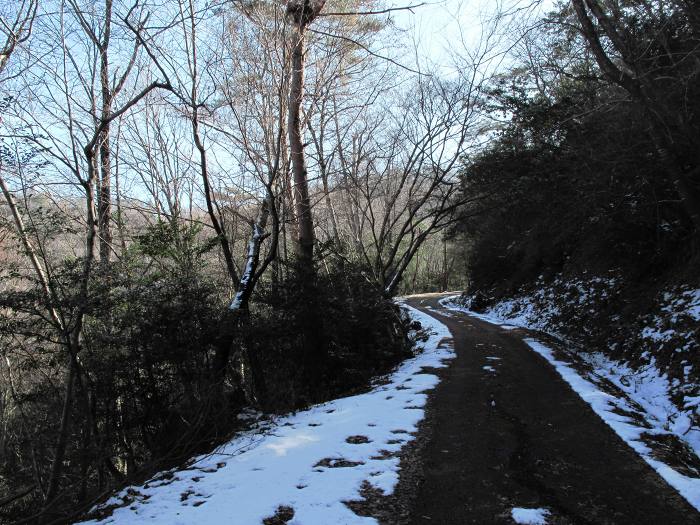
(520, 437)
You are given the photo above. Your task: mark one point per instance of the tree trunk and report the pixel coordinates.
(238, 313)
(391, 284)
(104, 211)
(32, 254)
(247, 283)
(204, 172)
(305, 240)
(62, 443)
(331, 209)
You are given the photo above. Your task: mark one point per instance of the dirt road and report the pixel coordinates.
(514, 434)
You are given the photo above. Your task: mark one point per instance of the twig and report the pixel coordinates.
(380, 12)
(348, 39)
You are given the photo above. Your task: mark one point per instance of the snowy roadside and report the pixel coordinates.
(638, 407)
(300, 467)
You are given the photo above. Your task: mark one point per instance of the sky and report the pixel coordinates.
(441, 28)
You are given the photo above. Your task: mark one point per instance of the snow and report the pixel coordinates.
(650, 332)
(542, 309)
(647, 386)
(650, 390)
(677, 307)
(693, 306)
(643, 393)
(311, 461)
(529, 516)
(673, 328)
(258, 234)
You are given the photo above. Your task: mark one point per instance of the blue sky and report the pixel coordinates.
(440, 28)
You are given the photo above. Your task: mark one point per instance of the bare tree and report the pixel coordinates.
(98, 29)
(68, 131)
(16, 28)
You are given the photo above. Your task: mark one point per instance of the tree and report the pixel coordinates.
(395, 160)
(69, 132)
(98, 29)
(643, 66)
(301, 13)
(16, 29)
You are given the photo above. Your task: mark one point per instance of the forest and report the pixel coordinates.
(210, 207)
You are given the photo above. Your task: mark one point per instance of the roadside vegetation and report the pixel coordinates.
(589, 229)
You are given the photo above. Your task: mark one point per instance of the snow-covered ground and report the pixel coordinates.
(310, 462)
(643, 409)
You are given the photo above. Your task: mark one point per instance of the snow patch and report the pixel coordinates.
(529, 516)
(679, 308)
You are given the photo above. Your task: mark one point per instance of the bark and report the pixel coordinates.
(248, 279)
(302, 14)
(17, 495)
(204, 172)
(90, 234)
(305, 226)
(331, 211)
(393, 282)
(62, 443)
(323, 172)
(289, 209)
(18, 31)
(445, 266)
(104, 211)
(120, 217)
(238, 312)
(203, 165)
(74, 332)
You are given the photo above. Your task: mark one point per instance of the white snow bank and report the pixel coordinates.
(311, 461)
(529, 516)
